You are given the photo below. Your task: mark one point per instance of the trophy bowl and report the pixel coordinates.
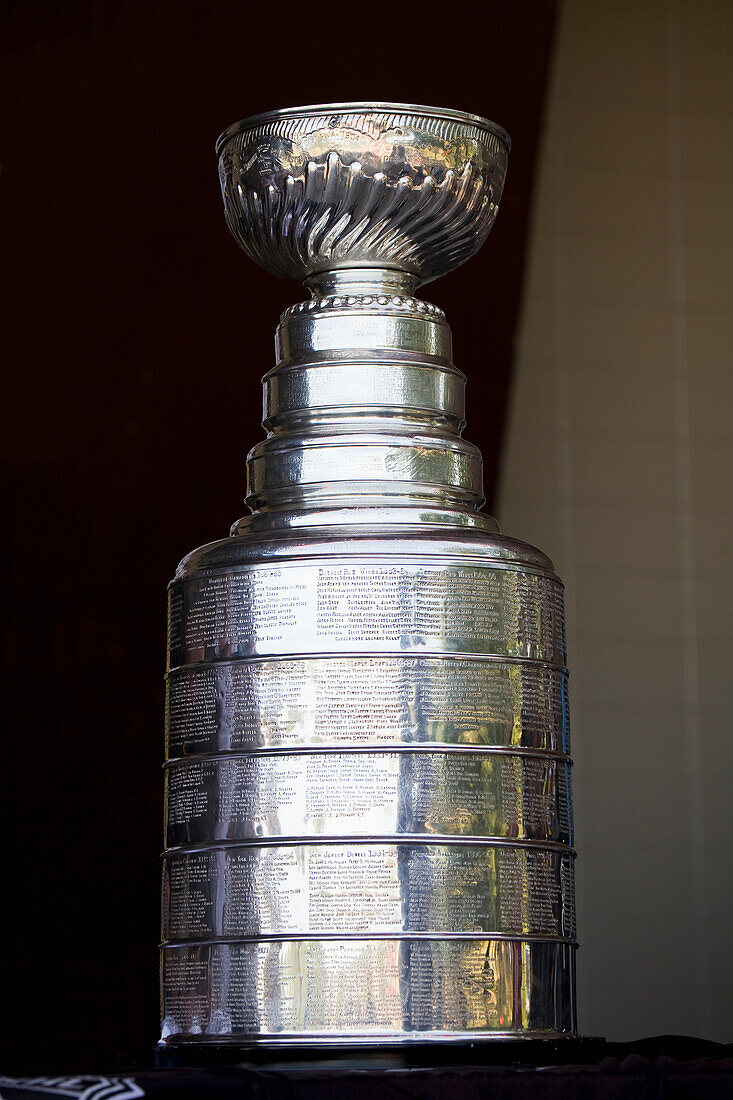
(362, 185)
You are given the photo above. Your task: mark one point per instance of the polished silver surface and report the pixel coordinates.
(355, 702)
(489, 793)
(370, 990)
(362, 184)
(368, 813)
(247, 891)
(444, 605)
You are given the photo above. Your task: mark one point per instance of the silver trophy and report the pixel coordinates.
(368, 820)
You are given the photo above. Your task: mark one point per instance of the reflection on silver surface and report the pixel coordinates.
(309, 188)
(296, 889)
(362, 701)
(368, 812)
(381, 989)
(330, 793)
(404, 606)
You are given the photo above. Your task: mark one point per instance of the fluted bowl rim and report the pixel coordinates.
(367, 108)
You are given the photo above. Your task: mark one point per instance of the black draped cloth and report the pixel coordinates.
(666, 1067)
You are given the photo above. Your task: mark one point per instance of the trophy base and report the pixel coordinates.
(345, 1055)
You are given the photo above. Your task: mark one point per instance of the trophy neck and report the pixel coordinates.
(364, 412)
(363, 282)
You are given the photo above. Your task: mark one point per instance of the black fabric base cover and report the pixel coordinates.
(666, 1067)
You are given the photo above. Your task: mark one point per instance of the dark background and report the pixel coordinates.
(137, 335)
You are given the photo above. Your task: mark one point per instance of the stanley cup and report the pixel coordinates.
(368, 827)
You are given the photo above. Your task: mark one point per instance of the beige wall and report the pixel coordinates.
(619, 463)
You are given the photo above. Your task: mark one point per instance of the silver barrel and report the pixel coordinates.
(368, 822)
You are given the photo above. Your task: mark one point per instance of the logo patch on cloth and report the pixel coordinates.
(73, 1088)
